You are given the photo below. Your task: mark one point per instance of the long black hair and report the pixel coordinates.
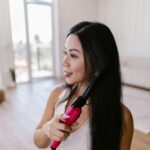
(99, 48)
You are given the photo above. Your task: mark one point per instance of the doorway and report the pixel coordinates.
(31, 23)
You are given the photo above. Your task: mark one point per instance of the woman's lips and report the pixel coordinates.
(67, 74)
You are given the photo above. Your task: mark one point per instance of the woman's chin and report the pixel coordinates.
(70, 82)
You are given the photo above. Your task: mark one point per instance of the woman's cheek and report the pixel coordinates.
(79, 72)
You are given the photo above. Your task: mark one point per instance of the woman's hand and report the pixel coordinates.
(56, 130)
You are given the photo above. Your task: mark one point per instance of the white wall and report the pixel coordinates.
(6, 53)
(129, 21)
(71, 12)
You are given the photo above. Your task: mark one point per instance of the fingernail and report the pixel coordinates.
(75, 123)
(66, 116)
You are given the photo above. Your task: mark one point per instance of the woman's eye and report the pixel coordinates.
(69, 54)
(65, 53)
(74, 56)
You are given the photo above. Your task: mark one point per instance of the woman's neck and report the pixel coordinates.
(80, 88)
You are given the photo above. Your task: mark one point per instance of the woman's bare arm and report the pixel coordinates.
(128, 129)
(40, 138)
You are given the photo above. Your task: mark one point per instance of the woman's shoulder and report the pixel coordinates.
(57, 90)
(127, 116)
(49, 109)
(54, 96)
(128, 128)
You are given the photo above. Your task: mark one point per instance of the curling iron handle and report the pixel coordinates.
(73, 114)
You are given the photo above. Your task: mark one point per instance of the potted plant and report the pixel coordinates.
(13, 77)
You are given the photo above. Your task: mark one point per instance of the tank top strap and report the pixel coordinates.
(60, 97)
(60, 106)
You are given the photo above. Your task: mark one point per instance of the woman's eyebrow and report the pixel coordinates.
(76, 50)
(72, 49)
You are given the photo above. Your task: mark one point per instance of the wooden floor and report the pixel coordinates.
(22, 110)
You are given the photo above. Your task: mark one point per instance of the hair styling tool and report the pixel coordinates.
(75, 109)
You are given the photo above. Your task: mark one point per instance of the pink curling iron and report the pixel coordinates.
(75, 110)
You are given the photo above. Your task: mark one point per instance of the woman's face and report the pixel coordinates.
(73, 62)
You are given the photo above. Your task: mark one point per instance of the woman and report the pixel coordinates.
(105, 123)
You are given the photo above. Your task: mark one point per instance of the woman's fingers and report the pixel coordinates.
(74, 124)
(57, 130)
(59, 135)
(62, 117)
(63, 127)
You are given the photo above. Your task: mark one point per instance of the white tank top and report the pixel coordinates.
(77, 140)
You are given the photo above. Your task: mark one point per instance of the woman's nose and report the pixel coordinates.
(66, 61)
